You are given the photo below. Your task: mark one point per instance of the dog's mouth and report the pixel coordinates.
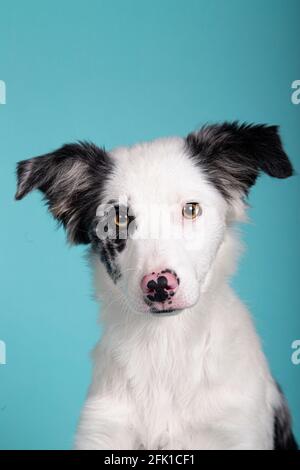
(163, 309)
(165, 312)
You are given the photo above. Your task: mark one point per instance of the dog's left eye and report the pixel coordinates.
(191, 210)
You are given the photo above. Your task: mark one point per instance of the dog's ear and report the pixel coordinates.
(71, 179)
(232, 154)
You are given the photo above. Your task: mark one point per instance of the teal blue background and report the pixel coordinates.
(117, 72)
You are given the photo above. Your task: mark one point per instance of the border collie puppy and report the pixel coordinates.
(179, 365)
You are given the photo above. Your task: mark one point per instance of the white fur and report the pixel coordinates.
(195, 380)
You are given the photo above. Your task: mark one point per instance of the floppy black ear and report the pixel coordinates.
(71, 179)
(233, 154)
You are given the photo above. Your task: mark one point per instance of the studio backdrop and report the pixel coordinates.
(116, 72)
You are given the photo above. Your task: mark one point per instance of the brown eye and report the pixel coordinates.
(121, 220)
(191, 210)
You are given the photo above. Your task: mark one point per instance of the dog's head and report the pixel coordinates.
(156, 214)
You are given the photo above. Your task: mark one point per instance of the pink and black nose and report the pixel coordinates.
(160, 286)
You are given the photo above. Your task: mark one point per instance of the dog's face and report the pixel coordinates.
(156, 213)
(170, 222)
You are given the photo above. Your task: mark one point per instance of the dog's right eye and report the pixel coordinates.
(121, 220)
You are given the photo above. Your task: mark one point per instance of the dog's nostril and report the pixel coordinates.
(151, 285)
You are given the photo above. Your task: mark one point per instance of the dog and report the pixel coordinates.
(179, 365)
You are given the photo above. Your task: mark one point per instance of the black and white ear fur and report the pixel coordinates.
(71, 179)
(232, 155)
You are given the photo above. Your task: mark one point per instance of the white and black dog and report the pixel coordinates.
(179, 365)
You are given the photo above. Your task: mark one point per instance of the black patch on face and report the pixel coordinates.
(283, 437)
(114, 242)
(107, 250)
(232, 155)
(72, 180)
